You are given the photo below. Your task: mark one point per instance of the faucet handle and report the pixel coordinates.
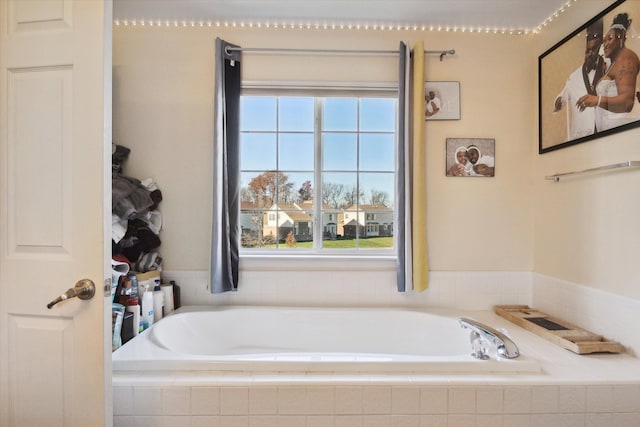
(478, 347)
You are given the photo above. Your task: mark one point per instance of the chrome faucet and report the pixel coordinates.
(482, 334)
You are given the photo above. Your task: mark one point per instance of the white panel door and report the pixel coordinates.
(55, 60)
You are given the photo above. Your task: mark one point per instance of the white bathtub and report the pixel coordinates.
(286, 339)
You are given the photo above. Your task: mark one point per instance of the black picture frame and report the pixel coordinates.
(559, 69)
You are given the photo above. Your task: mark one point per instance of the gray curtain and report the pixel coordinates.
(225, 229)
(403, 172)
(413, 265)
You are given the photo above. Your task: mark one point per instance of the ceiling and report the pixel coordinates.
(502, 15)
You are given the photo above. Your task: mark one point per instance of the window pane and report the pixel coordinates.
(339, 189)
(258, 188)
(378, 211)
(378, 114)
(251, 225)
(340, 114)
(377, 230)
(377, 152)
(296, 229)
(270, 229)
(258, 151)
(286, 194)
(258, 113)
(377, 189)
(352, 224)
(296, 151)
(288, 229)
(302, 188)
(296, 114)
(331, 222)
(339, 151)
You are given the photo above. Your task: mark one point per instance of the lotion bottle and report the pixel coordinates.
(137, 321)
(147, 308)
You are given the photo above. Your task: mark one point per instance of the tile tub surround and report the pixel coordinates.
(594, 390)
(610, 315)
(461, 290)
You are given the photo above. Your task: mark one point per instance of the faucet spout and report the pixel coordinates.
(504, 346)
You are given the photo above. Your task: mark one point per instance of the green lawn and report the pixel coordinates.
(370, 243)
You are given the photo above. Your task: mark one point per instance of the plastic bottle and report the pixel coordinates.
(134, 285)
(158, 302)
(117, 313)
(147, 308)
(134, 308)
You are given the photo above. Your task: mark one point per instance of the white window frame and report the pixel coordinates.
(369, 259)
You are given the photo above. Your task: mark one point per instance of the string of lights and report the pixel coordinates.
(337, 25)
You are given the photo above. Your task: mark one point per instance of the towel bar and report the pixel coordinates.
(627, 164)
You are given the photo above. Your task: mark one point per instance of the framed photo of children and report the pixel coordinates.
(470, 157)
(442, 100)
(588, 82)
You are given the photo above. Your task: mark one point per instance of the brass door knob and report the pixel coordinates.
(84, 289)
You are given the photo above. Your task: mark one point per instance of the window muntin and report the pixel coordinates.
(314, 171)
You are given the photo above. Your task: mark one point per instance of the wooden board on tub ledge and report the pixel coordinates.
(557, 331)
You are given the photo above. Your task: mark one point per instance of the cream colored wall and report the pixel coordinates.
(587, 229)
(479, 224)
(163, 87)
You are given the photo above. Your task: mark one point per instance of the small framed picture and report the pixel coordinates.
(470, 157)
(442, 100)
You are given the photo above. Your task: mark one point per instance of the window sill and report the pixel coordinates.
(261, 262)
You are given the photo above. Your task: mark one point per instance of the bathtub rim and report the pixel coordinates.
(168, 361)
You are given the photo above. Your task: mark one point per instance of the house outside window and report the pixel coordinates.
(316, 172)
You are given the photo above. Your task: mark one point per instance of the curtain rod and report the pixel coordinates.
(229, 49)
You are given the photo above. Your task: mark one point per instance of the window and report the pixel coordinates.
(315, 171)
